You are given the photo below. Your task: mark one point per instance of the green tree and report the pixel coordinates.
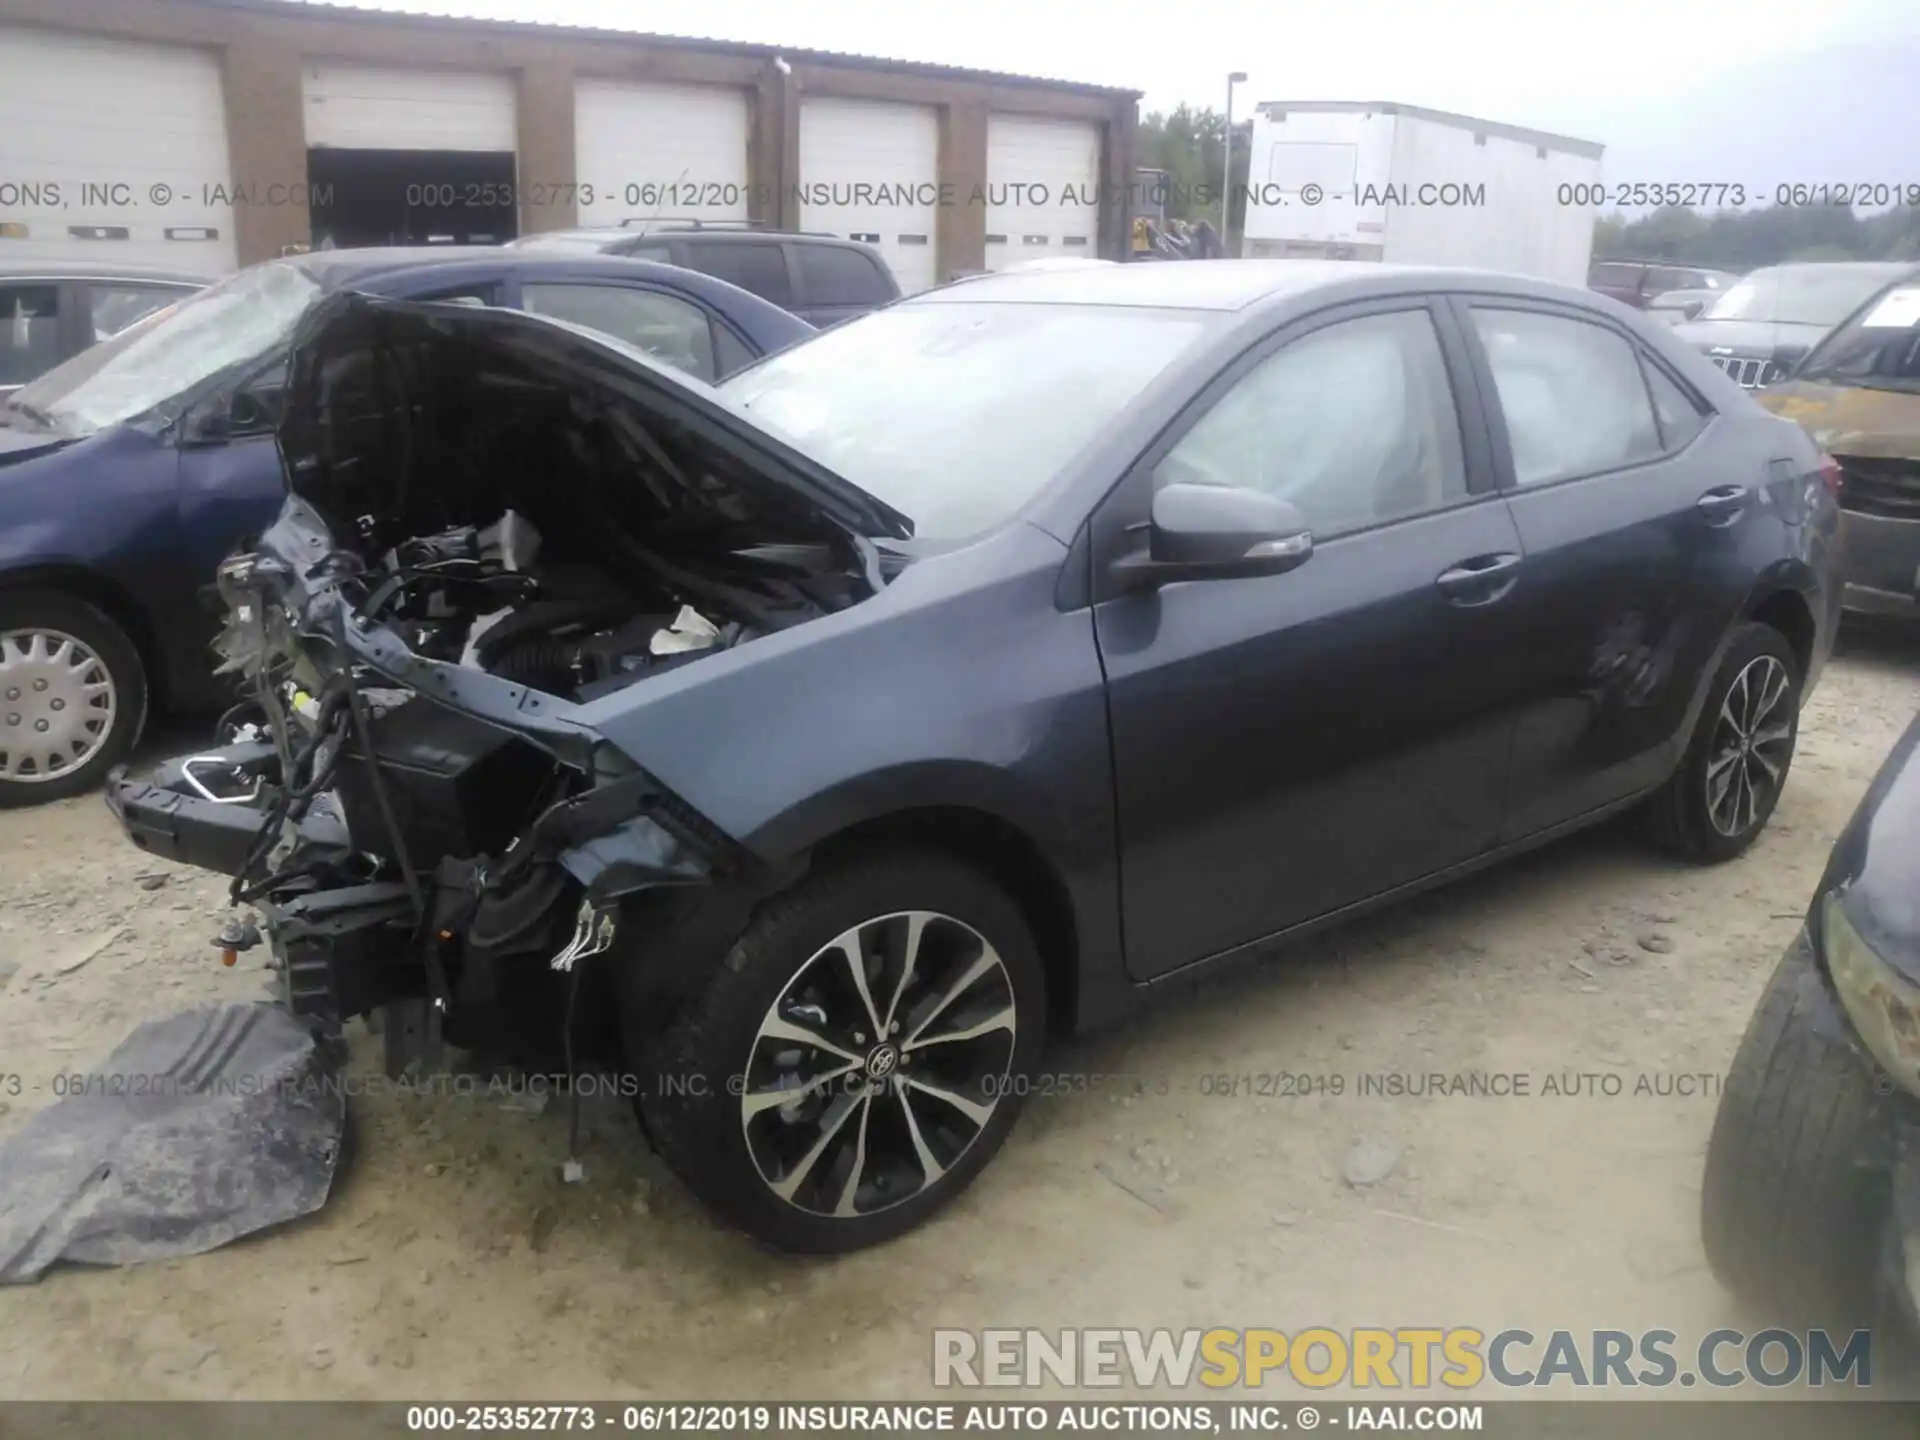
(1186, 144)
(1747, 239)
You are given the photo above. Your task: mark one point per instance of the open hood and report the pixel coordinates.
(403, 418)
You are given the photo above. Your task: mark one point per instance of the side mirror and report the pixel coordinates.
(207, 425)
(1216, 532)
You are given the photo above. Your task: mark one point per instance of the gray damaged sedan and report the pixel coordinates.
(807, 749)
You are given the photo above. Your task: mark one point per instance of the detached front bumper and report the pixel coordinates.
(200, 809)
(338, 951)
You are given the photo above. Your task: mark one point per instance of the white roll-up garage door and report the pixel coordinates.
(112, 150)
(871, 171)
(659, 151)
(1043, 189)
(359, 107)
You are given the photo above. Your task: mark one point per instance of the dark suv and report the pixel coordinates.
(1636, 282)
(821, 278)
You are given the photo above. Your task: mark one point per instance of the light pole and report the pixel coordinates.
(1226, 166)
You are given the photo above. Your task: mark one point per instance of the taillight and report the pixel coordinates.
(1831, 475)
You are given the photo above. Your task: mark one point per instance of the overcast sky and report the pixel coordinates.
(1626, 73)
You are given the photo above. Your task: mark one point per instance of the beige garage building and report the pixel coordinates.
(212, 133)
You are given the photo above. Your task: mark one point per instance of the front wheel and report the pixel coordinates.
(73, 697)
(859, 1056)
(1719, 800)
(1796, 1193)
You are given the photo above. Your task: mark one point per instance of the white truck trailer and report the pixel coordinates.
(1366, 180)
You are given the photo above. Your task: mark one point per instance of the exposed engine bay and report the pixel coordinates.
(493, 522)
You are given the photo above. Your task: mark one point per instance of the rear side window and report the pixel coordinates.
(1680, 419)
(834, 275)
(760, 267)
(29, 331)
(1659, 279)
(1615, 277)
(1573, 395)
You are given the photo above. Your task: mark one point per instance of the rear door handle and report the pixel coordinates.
(1481, 580)
(1723, 504)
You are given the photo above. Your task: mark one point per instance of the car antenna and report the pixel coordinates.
(646, 227)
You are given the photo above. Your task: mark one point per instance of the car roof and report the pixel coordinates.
(1219, 285)
(532, 239)
(336, 269)
(1889, 268)
(97, 270)
(677, 230)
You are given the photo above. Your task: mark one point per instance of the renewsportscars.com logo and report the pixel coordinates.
(1459, 1358)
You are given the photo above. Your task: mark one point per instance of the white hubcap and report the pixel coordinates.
(57, 705)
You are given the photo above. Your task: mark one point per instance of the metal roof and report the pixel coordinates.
(27, 267)
(326, 9)
(1592, 149)
(1208, 284)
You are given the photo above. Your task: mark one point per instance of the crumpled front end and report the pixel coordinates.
(407, 835)
(491, 526)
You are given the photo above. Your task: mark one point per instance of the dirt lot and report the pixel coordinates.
(452, 1262)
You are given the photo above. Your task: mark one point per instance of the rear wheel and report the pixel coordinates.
(73, 696)
(1719, 800)
(858, 1057)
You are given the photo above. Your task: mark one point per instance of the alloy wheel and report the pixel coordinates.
(57, 705)
(879, 1065)
(1752, 743)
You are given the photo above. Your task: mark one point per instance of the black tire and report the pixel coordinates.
(1680, 815)
(695, 1117)
(25, 611)
(1798, 1186)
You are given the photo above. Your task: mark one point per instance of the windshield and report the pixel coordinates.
(955, 414)
(242, 318)
(1878, 348)
(1810, 295)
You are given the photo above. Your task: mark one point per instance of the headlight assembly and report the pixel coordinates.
(1884, 1005)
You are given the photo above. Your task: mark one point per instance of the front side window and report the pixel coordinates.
(666, 327)
(1572, 392)
(1354, 424)
(29, 331)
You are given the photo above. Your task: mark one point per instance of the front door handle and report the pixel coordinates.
(1724, 504)
(1481, 580)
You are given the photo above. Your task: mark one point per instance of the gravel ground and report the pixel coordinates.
(452, 1262)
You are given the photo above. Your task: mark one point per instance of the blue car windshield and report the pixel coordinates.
(244, 317)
